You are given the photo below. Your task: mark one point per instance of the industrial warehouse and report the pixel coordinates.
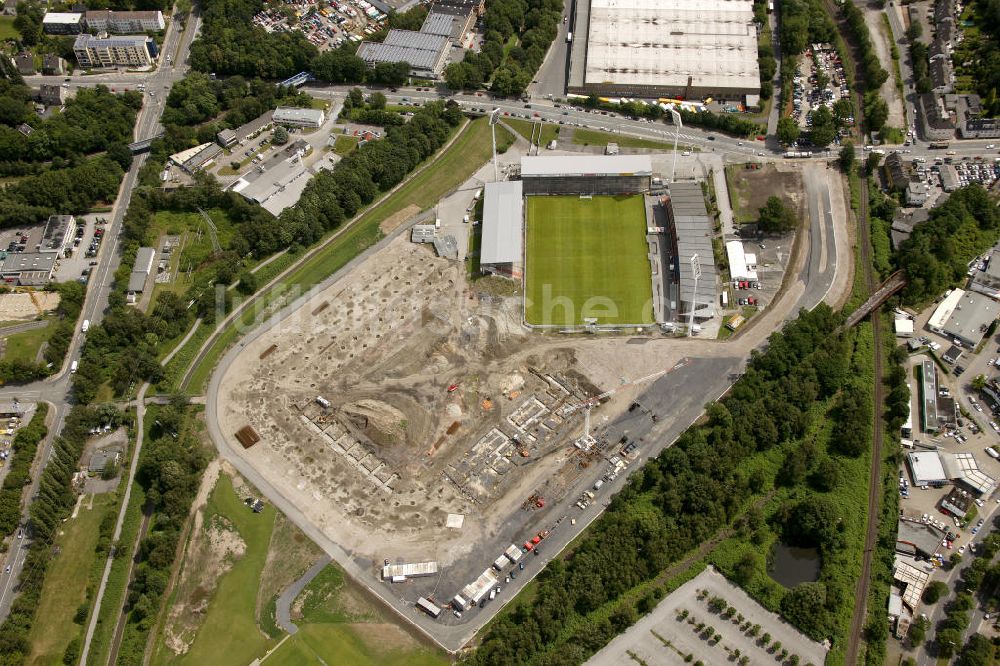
(654, 48)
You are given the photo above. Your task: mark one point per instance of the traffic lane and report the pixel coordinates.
(819, 271)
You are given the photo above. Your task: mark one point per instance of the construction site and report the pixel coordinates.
(409, 416)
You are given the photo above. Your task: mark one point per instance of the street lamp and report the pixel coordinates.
(494, 118)
(675, 116)
(696, 272)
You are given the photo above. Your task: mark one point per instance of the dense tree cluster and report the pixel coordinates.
(730, 123)
(49, 508)
(169, 472)
(230, 43)
(19, 475)
(682, 497)
(71, 190)
(920, 61)
(91, 121)
(937, 254)
(533, 24)
(776, 217)
(196, 99)
(56, 174)
(801, 23)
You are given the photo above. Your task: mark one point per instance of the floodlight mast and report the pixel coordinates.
(675, 116)
(494, 118)
(696, 272)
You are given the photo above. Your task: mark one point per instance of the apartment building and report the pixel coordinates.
(130, 51)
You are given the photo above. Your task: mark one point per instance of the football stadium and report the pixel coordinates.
(574, 229)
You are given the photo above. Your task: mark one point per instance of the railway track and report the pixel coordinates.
(875, 475)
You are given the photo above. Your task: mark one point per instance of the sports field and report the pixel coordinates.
(586, 258)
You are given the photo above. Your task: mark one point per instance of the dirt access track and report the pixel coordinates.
(443, 421)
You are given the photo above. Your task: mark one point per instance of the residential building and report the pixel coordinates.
(25, 63)
(916, 194)
(904, 222)
(124, 23)
(62, 23)
(897, 173)
(98, 52)
(49, 95)
(949, 178)
(935, 121)
(296, 117)
(53, 65)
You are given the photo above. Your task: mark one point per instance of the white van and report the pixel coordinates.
(85, 326)
(73, 366)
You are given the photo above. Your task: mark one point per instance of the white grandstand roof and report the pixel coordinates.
(503, 223)
(586, 165)
(663, 42)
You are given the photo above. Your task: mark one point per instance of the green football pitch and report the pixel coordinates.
(587, 258)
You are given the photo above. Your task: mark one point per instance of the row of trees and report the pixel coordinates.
(19, 475)
(533, 24)
(169, 472)
(937, 254)
(52, 505)
(679, 500)
(197, 98)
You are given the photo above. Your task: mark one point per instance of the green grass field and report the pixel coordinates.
(228, 632)
(586, 137)
(342, 644)
(65, 587)
(24, 346)
(587, 258)
(7, 29)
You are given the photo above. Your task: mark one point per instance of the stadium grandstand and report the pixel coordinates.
(586, 174)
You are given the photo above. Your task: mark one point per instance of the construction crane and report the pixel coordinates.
(586, 441)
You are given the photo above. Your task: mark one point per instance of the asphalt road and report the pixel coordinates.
(56, 390)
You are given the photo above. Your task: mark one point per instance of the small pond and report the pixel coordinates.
(791, 566)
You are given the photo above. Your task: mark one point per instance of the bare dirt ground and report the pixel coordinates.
(754, 186)
(212, 551)
(396, 452)
(391, 223)
(25, 306)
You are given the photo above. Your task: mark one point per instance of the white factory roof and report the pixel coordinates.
(61, 18)
(663, 42)
(409, 570)
(927, 468)
(291, 114)
(586, 165)
(945, 308)
(476, 590)
(904, 326)
(739, 262)
(503, 223)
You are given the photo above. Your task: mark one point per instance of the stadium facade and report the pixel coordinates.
(664, 48)
(586, 174)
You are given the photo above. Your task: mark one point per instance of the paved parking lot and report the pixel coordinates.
(648, 639)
